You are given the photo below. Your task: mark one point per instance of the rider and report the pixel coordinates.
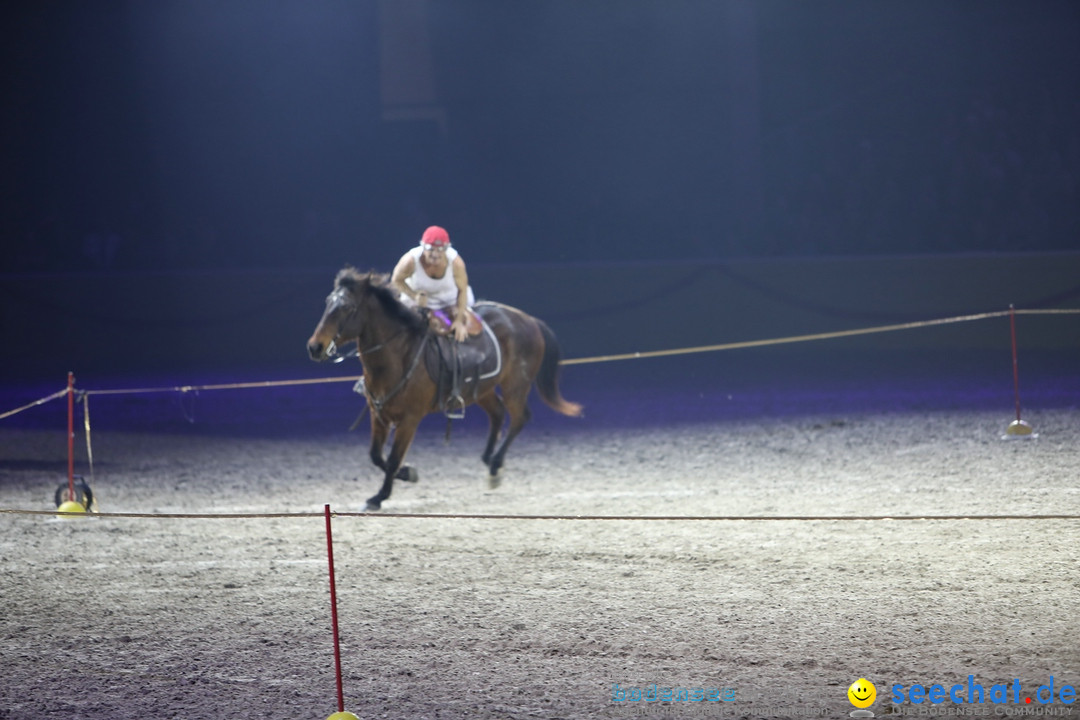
(422, 279)
(433, 275)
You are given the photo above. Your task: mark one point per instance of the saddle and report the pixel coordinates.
(439, 321)
(458, 367)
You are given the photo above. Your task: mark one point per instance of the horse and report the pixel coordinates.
(391, 338)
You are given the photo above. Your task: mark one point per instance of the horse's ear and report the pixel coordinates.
(349, 279)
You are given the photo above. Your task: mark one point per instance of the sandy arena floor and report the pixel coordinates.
(193, 618)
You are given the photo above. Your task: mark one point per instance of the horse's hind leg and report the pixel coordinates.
(493, 405)
(515, 400)
(403, 437)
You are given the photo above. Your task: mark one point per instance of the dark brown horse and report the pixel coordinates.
(391, 340)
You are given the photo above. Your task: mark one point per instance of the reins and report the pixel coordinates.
(380, 346)
(354, 352)
(377, 404)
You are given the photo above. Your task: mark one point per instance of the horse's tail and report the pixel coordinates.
(547, 380)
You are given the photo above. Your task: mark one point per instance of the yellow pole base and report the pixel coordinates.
(71, 506)
(1018, 427)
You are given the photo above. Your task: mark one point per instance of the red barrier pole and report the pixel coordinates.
(71, 436)
(333, 611)
(1016, 368)
(1017, 427)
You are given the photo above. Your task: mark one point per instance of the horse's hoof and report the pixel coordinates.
(373, 506)
(494, 481)
(407, 473)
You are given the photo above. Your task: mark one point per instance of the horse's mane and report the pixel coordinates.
(378, 285)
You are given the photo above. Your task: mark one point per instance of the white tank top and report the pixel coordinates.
(441, 292)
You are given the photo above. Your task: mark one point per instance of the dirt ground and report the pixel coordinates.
(191, 618)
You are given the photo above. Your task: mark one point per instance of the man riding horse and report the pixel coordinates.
(433, 276)
(404, 368)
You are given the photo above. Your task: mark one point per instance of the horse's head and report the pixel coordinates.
(340, 322)
(362, 307)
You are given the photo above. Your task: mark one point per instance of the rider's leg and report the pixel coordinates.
(455, 404)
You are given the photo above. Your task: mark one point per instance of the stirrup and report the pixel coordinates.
(455, 407)
(359, 388)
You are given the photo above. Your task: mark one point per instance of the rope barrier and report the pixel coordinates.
(807, 338)
(225, 386)
(1050, 311)
(86, 427)
(42, 401)
(784, 340)
(583, 360)
(468, 516)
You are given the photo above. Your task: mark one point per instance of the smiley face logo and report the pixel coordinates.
(862, 693)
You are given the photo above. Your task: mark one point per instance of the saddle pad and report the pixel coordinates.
(479, 357)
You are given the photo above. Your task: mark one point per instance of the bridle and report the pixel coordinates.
(331, 348)
(339, 297)
(333, 356)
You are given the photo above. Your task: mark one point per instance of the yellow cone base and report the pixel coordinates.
(1018, 428)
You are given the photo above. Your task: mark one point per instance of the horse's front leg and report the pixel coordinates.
(403, 437)
(379, 432)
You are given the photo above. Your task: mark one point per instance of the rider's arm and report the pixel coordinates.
(461, 279)
(403, 270)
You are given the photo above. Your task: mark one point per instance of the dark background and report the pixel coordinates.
(190, 134)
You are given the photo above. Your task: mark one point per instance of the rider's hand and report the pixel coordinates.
(421, 299)
(460, 333)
